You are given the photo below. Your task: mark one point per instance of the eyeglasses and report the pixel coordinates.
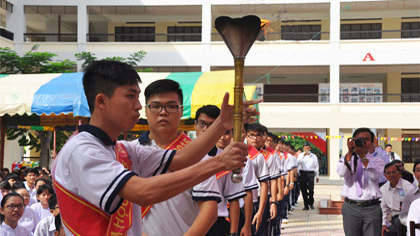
(13, 206)
(391, 172)
(202, 124)
(254, 136)
(168, 108)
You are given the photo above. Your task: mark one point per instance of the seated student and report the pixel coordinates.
(12, 178)
(59, 229)
(46, 227)
(12, 208)
(41, 208)
(29, 218)
(5, 188)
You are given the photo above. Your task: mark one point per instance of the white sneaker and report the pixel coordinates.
(284, 221)
(290, 212)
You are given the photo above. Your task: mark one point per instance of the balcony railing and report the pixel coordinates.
(50, 37)
(6, 34)
(175, 37)
(196, 37)
(344, 98)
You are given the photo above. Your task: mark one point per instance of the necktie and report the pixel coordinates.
(359, 173)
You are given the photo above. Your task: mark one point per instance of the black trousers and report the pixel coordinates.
(307, 187)
(220, 228)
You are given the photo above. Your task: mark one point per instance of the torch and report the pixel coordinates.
(239, 34)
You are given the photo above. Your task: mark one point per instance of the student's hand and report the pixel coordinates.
(234, 156)
(248, 113)
(291, 186)
(245, 231)
(257, 220)
(280, 196)
(286, 190)
(384, 228)
(273, 211)
(317, 180)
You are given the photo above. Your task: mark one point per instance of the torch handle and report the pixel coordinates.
(238, 106)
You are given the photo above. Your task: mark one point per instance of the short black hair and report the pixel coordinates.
(105, 76)
(390, 165)
(163, 86)
(210, 110)
(388, 145)
(416, 162)
(397, 162)
(44, 187)
(11, 175)
(5, 185)
(31, 170)
(256, 127)
(362, 130)
(306, 144)
(52, 202)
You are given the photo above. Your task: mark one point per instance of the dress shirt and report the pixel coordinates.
(396, 156)
(370, 178)
(380, 152)
(392, 198)
(414, 215)
(410, 197)
(309, 163)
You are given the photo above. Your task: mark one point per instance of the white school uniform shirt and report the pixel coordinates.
(87, 167)
(29, 219)
(249, 180)
(414, 215)
(308, 163)
(396, 156)
(409, 198)
(392, 198)
(6, 230)
(176, 215)
(40, 212)
(381, 153)
(46, 227)
(261, 172)
(229, 191)
(272, 166)
(32, 201)
(32, 192)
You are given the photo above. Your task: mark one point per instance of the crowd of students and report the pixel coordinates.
(28, 203)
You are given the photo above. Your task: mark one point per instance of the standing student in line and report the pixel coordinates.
(110, 176)
(191, 212)
(230, 192)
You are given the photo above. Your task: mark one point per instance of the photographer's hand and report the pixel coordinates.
(350, 146)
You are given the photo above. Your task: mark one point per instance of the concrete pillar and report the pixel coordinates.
(335, 51)
(333, 145)
(16, 23)
(393, 85)
(82, 30)
(206, 35)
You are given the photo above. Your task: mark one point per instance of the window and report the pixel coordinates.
(410, 149)
(134, 34)
(301, 32)
(184, 33)
(361, 31)
(410, 90)
(410, 30)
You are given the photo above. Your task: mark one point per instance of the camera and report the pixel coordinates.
(359, 142)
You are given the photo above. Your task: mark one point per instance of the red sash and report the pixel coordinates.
(252, 152)
(89, 219)
(222, 173)
(179, 143)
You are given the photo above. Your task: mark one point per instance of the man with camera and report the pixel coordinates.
(361, 209)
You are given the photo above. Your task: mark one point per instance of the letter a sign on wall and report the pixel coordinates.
(368, 57)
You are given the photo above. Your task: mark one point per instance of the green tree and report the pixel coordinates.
(34, 62)
(132, 60)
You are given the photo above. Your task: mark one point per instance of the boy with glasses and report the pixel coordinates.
(93, 174)
(194, 211)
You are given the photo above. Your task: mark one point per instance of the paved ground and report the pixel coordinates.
(311, 222)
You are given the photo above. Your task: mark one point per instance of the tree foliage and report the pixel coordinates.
(32, 62)
(132, 60)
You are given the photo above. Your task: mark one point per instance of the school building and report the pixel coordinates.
(322, 66)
